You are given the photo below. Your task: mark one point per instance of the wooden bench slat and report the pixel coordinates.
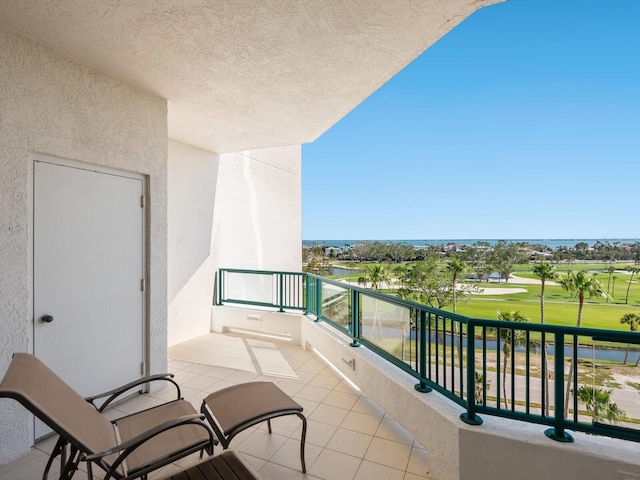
(226, 466)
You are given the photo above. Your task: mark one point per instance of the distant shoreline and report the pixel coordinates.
(550, 243)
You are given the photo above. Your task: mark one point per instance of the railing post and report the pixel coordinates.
(318, 299)
(557, 432)
(422, 367)
(281, 296)
(220, 287)
(305, 294)
(470, 417)
(355, 318)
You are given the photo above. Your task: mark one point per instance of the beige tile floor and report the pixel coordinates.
(349, 437)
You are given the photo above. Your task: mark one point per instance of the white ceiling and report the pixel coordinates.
(243, 74)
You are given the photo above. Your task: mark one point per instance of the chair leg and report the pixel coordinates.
(71, 465)
(209, 451)
(302, 441)
(59, 449)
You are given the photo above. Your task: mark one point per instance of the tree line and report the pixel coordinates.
(393, 252)
(426, 263)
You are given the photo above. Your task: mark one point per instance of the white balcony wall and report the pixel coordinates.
(257, 214)
(50, 104)
(238, 210)
(192, 190)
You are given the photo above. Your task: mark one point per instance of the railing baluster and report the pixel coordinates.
(422, 386)
(512, 339)
(460, 358)
(527, 367)
(544, 401)
(498, 377)
(222, 287)
(470, 417)
(318, 299)
(429, 343)
(453, 359)
(484, 363)
(281, 292)
(557, 432)
(574, 363)
(437, 349)
(355, 318)
(444, 352)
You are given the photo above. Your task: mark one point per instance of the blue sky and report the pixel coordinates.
(522, 122)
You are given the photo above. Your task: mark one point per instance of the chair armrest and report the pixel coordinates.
(130, 445)
(116, 392)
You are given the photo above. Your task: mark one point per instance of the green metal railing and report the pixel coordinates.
(508, 369)
(282, 290)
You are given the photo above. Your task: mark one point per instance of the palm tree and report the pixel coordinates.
(512, 338)
(456, 267)
(399, 271)
(610, 270)
(580, 284)
(633, 320)
(633, 270)
(375, 275)
(599, 404)
(544, 271)
(352, 267)
(480, 386)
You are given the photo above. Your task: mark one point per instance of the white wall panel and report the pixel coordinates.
(257, 213)
(192, 189)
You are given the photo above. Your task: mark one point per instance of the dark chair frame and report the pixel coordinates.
(73, 450)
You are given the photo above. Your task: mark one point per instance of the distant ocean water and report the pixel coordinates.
(551, 243)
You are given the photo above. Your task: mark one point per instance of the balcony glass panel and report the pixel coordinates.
(608, 385)
(336, 304)
(388, 326)
(255, 287)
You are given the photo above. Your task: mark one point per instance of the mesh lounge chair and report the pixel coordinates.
(127, 448)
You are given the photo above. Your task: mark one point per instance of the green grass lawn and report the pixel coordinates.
(556, 313)
(560, 307)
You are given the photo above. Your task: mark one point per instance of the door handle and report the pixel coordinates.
(46, 318)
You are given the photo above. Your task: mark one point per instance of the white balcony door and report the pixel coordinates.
(88, 261)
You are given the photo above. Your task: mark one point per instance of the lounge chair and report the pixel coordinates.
(126, 448)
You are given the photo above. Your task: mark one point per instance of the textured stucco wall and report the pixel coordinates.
(192, 176)
(258, 209)
(52, 105)
(522, 451)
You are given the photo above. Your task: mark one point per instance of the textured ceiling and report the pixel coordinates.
(242, 74)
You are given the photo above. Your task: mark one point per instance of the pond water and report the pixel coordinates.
(345, 271)
(597, 353)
